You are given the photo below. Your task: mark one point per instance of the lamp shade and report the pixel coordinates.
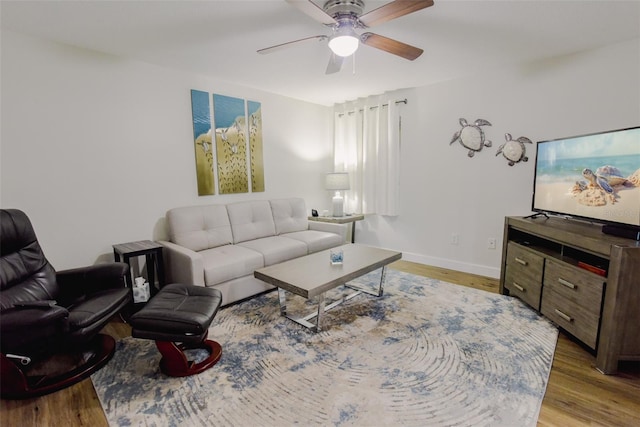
(337, 181)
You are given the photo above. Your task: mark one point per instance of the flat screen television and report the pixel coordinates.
(592, 177)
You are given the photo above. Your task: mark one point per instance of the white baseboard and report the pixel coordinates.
(481, 270)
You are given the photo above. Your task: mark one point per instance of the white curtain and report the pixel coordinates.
(367, 145)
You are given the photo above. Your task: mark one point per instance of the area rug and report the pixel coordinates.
(427, 353)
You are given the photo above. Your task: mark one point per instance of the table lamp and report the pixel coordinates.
(337, 181)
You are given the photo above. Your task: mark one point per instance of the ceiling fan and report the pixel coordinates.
(344, 17)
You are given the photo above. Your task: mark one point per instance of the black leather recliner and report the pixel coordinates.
(44, 313)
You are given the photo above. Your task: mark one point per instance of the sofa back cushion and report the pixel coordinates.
(199, 227)
(251, 220)
(289, 215)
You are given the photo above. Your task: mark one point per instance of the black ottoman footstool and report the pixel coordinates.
(178, 318)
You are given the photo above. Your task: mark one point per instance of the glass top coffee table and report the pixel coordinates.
(313, 275)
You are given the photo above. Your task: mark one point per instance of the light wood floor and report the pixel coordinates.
(577, 394)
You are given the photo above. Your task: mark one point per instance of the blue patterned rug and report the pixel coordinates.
(428, 353)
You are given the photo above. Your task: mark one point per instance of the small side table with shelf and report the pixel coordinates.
(152, 252)
(341, 220)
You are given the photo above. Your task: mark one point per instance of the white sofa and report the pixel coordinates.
(222, 245)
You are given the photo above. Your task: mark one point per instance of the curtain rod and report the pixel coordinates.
(400, 101)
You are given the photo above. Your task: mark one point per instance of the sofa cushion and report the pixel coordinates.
(289, 215)
(199, 227)
(316, 240)
(229, 262)
(276, 249)
(251, 220)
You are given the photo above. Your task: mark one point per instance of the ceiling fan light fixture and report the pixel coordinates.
(344, 42)
(344, 45)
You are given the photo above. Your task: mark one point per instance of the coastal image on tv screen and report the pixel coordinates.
(593, 176)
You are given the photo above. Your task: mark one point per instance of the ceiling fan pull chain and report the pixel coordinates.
(353, 63)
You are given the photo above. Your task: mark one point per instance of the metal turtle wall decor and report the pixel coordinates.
(514, 150)
(471, 136)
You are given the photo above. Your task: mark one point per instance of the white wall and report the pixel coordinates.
(445, 192)
(96, 148)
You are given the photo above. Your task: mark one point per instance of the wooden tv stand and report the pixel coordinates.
(586, 282)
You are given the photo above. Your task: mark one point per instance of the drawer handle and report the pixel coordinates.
(518, 287)
(564, 316)
(566, 283)
(521, 261)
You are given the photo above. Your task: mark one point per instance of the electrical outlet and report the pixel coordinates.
(491, 243)
(455, 239)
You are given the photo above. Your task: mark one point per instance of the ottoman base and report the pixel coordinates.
(174, 360)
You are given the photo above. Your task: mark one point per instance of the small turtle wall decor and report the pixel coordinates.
(514, 150)
(471, 136)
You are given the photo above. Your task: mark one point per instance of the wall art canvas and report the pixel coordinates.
(231, 144)
(202, 142)
(254, 110)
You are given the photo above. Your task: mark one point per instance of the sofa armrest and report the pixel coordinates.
(182, 264)
(340, 229)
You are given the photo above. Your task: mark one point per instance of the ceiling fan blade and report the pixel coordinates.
(392, 10)
(392, 46)
(335, 64)
(311, 9)
(281, 46)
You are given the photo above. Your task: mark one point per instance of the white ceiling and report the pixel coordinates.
(220, 38)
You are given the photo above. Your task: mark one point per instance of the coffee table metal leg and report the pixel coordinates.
(321, 311)
(304, 321)
(283, 301)
(383, 275)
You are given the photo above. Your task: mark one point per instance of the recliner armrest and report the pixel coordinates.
(87, 280)
(37, 304)
(25, 327)
(30, 317)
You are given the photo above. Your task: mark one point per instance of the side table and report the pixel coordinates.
(152, 252)
(341, 220)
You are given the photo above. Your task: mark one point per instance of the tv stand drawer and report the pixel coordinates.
(524, 274)
(575, 284)
(579, 321)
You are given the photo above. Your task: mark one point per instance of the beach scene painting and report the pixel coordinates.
(254, 110)
(231, 144)
(203, 145)
(595, 176)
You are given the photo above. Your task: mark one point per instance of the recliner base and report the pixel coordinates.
(16, 383)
